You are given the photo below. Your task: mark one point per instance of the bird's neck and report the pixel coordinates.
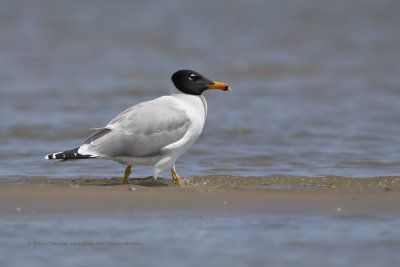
(193, 99)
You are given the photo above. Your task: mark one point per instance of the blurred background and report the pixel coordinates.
(315, 92)
(315, 84)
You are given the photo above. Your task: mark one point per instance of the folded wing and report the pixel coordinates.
(140, 131)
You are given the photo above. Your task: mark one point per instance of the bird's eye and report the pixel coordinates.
(193, 77)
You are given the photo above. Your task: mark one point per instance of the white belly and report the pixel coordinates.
(135, 161)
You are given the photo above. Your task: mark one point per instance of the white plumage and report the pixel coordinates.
(154, 133)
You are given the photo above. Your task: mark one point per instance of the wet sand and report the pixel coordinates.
(42, 196)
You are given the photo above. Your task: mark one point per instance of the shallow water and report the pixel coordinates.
(199, 239)
(314, 102)
(314, 85)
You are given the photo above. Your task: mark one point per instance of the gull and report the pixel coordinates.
(155, 132)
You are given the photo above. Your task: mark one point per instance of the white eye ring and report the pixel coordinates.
(192, 77)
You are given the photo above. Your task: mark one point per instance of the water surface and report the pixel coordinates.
(314, 85)
(314, 102)
(251, 240)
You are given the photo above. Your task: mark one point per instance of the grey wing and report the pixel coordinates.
(140, 131)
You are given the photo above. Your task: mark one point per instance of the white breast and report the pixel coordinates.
(196, 109)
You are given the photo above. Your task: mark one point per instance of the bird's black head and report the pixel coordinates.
(193, 83)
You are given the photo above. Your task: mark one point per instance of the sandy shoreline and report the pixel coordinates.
(52, 198)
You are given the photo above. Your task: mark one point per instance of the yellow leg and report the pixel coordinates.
(176, 177)
(127, 173)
